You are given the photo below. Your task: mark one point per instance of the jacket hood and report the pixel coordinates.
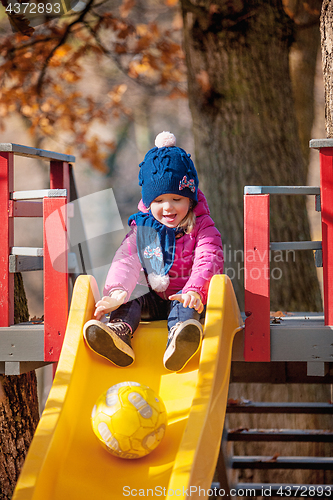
(201, 207)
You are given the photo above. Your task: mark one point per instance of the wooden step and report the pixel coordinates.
(258, 462)
(37, 194)
(310, 408)
(31, 259)
(21, 348)
(281, 435)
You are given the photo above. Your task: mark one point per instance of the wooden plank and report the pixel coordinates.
(256, 278)
(296, 245)
(22, 342)
(18, 367)
(20, 207)
(277, 372)
(321, 143)
(25, 208)
(56, 247)
(19, 263)
(289, 190)
(297, 343)
(55, 275)
(281, 435)
(23, 263)
(326, 184)
(38, 194)
(7, 240)
(42, 154)
(27, 251)
(299, 463)
(276, 407)
(59, 176)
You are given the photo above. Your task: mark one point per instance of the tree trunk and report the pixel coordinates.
(326, 31)
(303, 61)
(18, 411)
(245, 132)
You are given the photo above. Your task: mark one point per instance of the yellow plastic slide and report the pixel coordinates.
(66, 461)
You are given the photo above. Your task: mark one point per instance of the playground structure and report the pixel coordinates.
(257, 247)
(196, 397)
(26, 347)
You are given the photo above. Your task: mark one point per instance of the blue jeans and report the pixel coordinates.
(150, 307)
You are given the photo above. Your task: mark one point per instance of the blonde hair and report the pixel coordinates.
(188, 223)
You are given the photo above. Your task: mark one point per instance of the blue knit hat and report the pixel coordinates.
(167, 169)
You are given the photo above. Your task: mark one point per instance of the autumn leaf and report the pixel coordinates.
(241, 401)
(239, 429)
(20, 23)
(277, 314)
(203, 80)
(37, 320)
(233, 402)
(42, 75)
(126, 7)
(274, 458)
(61, 52)
(116, 93)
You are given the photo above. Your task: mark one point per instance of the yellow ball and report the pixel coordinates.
(129, 419)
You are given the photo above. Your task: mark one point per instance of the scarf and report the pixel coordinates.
(156, 245)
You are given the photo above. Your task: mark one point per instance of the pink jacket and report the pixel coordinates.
(198, 256)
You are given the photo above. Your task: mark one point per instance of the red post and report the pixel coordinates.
(257, 278)
(55, 262)
(326, 197)
(59, 176)
(55, 275)
(6, 240)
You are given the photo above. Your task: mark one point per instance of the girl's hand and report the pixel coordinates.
(189, 299)
(108, 304)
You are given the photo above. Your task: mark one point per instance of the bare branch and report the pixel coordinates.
(62, 40)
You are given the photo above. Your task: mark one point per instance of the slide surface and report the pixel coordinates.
(66, 460)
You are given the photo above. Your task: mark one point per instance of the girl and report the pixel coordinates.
(174, 246)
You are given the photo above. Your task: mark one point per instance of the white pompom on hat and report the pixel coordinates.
(165, 140)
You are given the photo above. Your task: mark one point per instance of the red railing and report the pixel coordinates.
(53, 202)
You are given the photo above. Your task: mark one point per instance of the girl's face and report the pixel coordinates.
(170, 209)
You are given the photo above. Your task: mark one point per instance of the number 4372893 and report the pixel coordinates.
(33, 8)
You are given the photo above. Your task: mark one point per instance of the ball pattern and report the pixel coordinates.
(129, 419)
